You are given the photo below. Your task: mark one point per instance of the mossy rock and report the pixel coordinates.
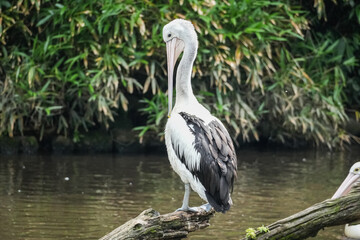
(29, 144)
(62, 144)
(10, 145)
(95, 141)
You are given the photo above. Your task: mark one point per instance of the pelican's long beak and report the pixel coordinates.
(173, 49)
(346, 185)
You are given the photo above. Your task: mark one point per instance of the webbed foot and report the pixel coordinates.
(207, 207)
(190, 209)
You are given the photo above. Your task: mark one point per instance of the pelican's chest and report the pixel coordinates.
(180, 142)
(176, 127)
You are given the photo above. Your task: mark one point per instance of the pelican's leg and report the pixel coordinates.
(185, 205)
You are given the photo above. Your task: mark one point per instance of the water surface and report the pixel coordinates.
(86, 196)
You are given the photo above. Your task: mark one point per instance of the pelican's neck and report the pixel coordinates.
(184, 93)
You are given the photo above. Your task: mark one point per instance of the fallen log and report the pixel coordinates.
(151, 225)
(308, 222)
(177, 225)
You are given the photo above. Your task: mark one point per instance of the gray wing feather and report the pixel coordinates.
(218, 163)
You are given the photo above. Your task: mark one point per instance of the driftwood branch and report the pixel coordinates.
(308, 222)
(151, 225)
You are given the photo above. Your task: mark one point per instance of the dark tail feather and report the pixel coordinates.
(222, 207)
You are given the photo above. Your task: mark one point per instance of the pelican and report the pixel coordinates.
(199, 147)
(351, 231)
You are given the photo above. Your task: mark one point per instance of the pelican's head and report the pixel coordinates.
(352, 177)
(178, 34)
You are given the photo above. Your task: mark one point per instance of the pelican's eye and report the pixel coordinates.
(356, 169)
(169, 35)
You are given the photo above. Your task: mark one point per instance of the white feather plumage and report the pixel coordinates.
(178, 134)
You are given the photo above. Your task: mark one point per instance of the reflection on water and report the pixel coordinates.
(84, 197)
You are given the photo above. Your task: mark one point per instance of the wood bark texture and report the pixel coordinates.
(151, 225)
(308, 222)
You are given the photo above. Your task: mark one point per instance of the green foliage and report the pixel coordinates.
(343, 29)
(263, 229)
(250, 233)
(68, 65)
(332, 60)
(262, 67)
(155, 116)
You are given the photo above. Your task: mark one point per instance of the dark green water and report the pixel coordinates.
(85, 197)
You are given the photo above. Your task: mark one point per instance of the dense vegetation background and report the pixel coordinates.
(281, 71)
